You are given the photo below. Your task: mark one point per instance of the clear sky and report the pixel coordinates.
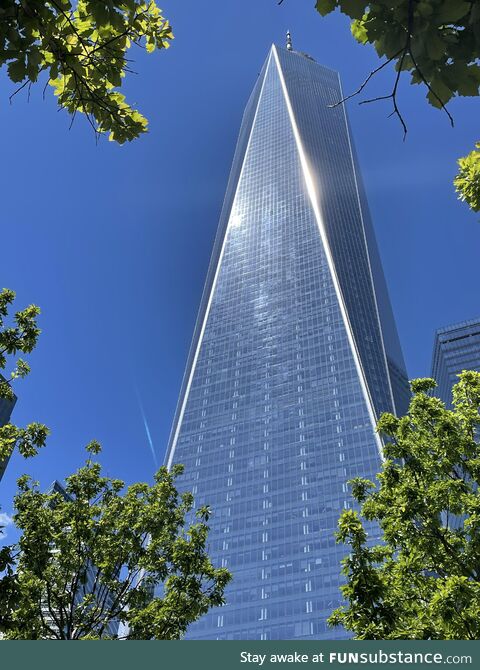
(113, 242)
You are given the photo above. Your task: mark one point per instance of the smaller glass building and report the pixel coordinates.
(455, 348)
(6, 407)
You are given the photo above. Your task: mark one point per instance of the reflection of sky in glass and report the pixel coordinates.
(274, 416)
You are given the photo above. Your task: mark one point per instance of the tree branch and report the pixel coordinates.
(362, 86)
(405, 51)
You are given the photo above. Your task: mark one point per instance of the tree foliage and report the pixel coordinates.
(82, 48)
(18, 336)
(467, 182)
(423, 580)
(438, 43)
(134, 539)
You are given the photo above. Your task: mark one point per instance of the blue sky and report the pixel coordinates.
(113, 242)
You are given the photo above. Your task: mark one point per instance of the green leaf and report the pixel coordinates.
(34, 57)
(359, 31)
(325, 7)
(425, 9)
(455, 73)
(17, 70)
(435, 47)
(423, 385)
(439, 94)
(452, 10)
(355, 9)
(467, 181)
(465, 78)
(468, 87)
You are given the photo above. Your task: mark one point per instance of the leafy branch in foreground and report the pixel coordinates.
(82, 46)
(20, 336)
(423, 580)
(438, 43)
(150, 572)
(467, 182)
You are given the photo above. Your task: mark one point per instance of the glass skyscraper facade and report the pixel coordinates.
(295, 355)
(455, 348)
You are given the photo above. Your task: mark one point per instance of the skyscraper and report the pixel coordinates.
(295, 354)
(455, 348)
(6, 407)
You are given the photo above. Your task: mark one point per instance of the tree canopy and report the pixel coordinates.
(467, 182)
(101, 553)
(438, 43)
(18, 335)
(422, 580)
(81, 48)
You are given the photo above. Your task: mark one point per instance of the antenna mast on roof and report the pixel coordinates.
(289, 41)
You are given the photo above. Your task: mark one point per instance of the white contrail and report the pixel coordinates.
(147, 430)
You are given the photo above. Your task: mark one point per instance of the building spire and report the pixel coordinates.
(289, 41)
